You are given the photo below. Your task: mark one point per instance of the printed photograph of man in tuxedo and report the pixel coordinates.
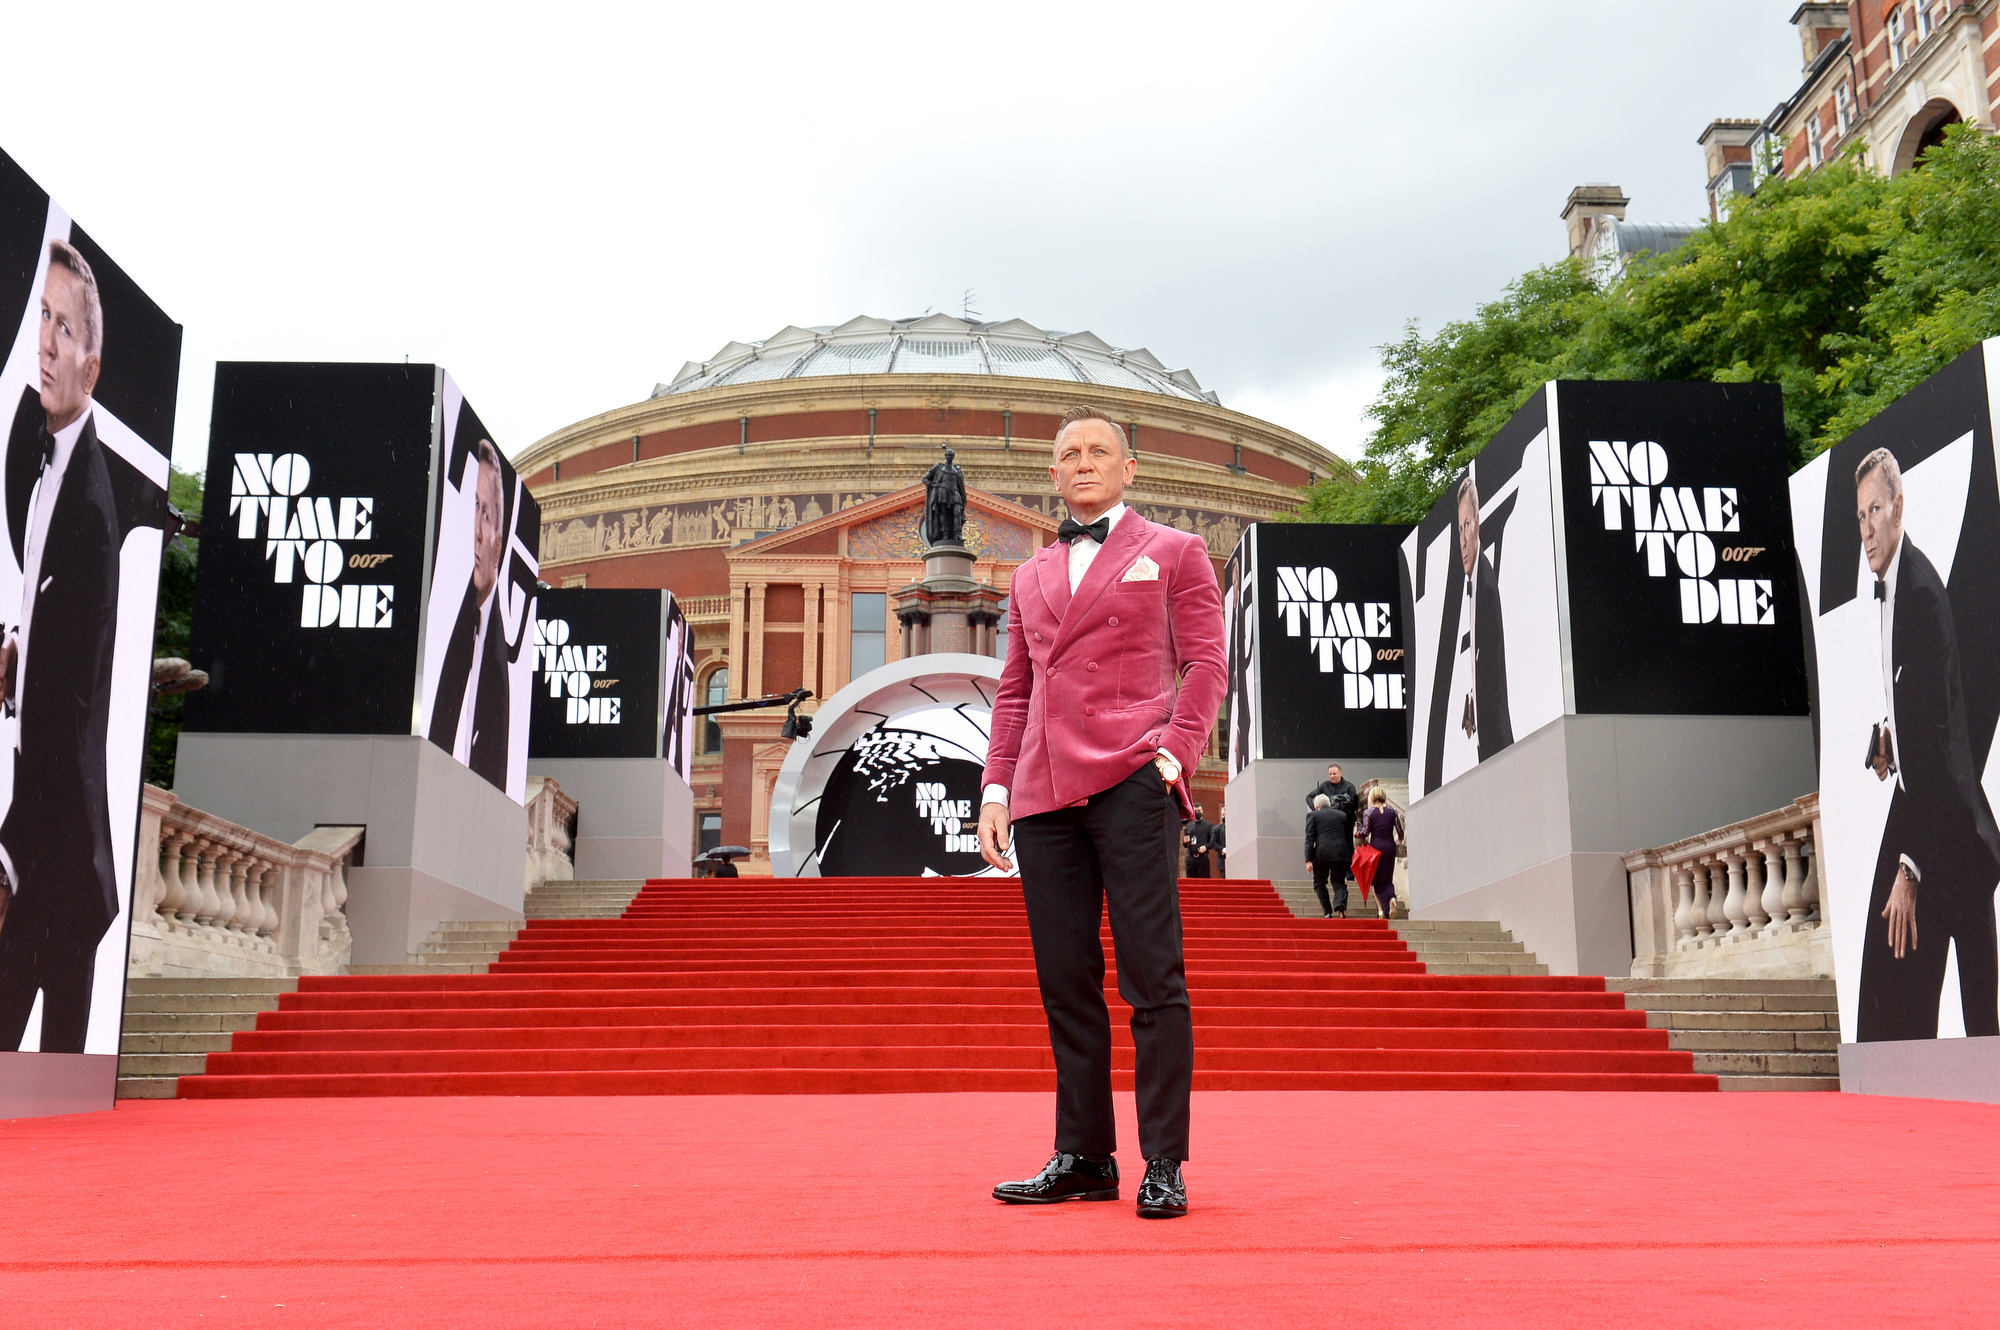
(1469, 719)
(1940, 854)
(58, 880)
(474, 702)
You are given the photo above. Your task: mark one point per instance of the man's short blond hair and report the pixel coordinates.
(62, 254)
(1884, 461)
(1077, 414)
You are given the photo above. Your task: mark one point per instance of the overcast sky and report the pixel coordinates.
(563, 205)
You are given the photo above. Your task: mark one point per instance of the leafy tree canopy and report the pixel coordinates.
(1844, 287)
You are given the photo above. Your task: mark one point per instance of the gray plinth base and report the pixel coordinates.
(442, 842)
(1267, 809)
(1534, 837)
(40, 1085)
(1967, 1069)
(634, 815)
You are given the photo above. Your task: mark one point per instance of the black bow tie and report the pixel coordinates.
(47, 455)
(1071, 529)
(1881, 590)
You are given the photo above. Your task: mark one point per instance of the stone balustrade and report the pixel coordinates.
(551, 833)
(215, 899)
(1739, 902)
(703, 609)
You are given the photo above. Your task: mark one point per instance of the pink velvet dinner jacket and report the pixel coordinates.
(1088, 692)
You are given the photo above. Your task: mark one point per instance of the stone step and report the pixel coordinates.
(1518, 968)
(188, 1022)
(1820, 987)
(1460, 955)
(174, 1041)
(1768, 1064)
(442, 967)
(151, 1004)
(1743, 1020)
(147, 1087)
(204, 984)
(1772, 1002)
(1779, 1083)
(162, 1064)
(1755, 1041)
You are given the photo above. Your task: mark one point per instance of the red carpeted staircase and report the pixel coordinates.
(801, 985)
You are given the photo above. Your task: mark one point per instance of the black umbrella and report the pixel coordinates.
(725, 853)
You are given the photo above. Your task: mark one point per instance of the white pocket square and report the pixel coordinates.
(1145, 570)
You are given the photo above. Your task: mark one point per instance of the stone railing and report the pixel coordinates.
(705, 608)
(215, 899)
(551, 833)
(1738, 902)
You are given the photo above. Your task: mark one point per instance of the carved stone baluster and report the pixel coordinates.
(214, 903)
(1809, 888)
(1794, 896)
(1683, 908)
(190, 906)
(171, 894)
(338, 878)
(1733, 909)
(1774, 885)
(267, 881)
(1753, 892)
(1718, 892)
(1698, 900)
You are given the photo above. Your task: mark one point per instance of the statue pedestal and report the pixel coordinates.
(948, 611)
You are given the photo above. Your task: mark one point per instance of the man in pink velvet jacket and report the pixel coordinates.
(1115, 668)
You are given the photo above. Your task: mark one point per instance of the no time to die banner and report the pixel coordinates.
(1315, 630)
(1617, 548)
(369, 565)
(614, 676)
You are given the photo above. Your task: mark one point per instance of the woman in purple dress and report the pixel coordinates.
(1382, 827)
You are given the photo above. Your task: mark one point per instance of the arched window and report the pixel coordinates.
(717, 693)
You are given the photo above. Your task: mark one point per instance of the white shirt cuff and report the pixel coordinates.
(1910, 864)
(995, 794)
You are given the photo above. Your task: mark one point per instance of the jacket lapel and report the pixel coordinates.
(1132, 534)
(1051, 565)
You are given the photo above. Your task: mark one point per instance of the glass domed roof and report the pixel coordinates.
(936, 344)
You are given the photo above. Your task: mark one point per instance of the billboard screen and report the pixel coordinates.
(1898, 532)
(89, 387)
(479, 604)
(1315, 630)
(305, 612)
(599, 678)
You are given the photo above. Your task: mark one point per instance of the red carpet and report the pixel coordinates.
(910, 985)
(1312, 1208)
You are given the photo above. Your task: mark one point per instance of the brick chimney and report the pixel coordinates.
(1587, 202)
(1820, 26)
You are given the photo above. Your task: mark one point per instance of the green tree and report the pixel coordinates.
(171, 628)
(1843, 287)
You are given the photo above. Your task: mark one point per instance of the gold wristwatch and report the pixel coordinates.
(1172, 768)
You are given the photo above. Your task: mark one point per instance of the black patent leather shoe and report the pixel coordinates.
(1066, 1177)
(1162, 1195)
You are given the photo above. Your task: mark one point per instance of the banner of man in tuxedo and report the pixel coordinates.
(88, 384)
(1898, 531)
(480, 606)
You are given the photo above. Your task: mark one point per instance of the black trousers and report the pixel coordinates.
(55, 962)
(1336, 874)
(1899, 998)
(1197, 865)
(1120, 850)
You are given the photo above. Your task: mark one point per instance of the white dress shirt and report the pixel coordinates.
(1888, 603)
(1082, 553)
(1461, 750)
(469, 704)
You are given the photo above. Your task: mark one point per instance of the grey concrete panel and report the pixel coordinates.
(1570, 911)
(1505, 816)
(38, 1085)
(635, 815)
(1964, 1069)
(1269, 794)
(391, 911)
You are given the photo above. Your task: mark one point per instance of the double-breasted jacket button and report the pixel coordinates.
(1092, 666)
(1090, 711)
(1038, 637)
(1114, 621)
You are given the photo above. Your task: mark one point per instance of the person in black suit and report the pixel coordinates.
(1220, 840)
(1470, 692)
(1940, 855)
(1330, 852)
(1197, 836)
(60, 889)
(471, 713)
